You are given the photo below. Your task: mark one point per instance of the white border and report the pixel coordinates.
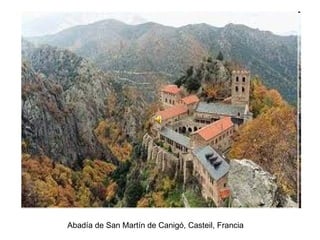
(51, 223)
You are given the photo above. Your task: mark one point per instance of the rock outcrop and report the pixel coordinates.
(251, 186)
(63, 98)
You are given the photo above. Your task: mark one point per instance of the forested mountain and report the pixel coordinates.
(113, 45)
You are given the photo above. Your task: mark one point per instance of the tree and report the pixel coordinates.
(49, 184)
(133, 193)
(262, 99)
(271, 141)
(220, 56)
(179, 82)
(193, 84)
(190, 71)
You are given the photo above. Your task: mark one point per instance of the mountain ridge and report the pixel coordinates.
(114, 45)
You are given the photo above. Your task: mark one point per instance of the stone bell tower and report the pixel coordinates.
(240, 87)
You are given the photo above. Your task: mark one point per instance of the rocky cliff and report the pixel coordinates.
(63, 98)
(251, 186)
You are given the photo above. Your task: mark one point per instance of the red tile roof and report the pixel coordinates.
(190, 99)
(224, 193)
(215, 128)
(173, 89)
(172, 111)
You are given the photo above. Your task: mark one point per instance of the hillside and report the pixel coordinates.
(80, 129)
(59, 109)
(270, 139)
(113, 45)
(65, 98)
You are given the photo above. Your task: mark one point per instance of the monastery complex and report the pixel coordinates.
(192, 136)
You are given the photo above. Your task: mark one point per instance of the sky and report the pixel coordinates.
(282, 23)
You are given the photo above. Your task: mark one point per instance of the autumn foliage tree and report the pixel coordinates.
(271, 138)
(262, 99)
(49, 184)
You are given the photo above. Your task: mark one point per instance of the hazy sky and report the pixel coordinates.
(278, 22)
(275, 22)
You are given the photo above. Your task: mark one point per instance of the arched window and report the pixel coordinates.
(242, 89)
(166, 100)
(170, 101)
(237, 89)
(190, 129)
(243, 79)
(195, 128)
(237, 79)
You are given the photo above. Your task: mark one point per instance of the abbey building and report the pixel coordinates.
(192, 136)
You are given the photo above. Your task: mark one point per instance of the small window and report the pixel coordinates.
(237, 79)
(243, 79)
(165, 100)
(237, 89)
(242, 89)
(216, 141)
(225, 185)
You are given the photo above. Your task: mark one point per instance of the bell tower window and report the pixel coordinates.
(237, 89)
(237, 79)
(242, 89)
(243, 79)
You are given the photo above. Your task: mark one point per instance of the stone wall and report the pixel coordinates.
(165, 161)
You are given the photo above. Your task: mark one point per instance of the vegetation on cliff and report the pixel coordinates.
(270, 139)
(210, 77)
(49, 184)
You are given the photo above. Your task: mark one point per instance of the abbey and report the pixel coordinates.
(192, 136)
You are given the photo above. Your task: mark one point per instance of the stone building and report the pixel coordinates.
(177, 142)
(172, 114)
(190, 135)
(240, 87)
(210, 112)
(211, 170)
(170, 95)
(217, 134)
(191, 102)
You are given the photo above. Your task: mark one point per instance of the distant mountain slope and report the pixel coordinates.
(114, 45)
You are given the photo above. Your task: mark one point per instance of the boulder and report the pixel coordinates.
(251, 186)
